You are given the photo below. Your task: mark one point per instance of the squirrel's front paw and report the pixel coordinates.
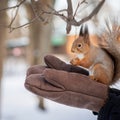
(93, 78)
(75, 61)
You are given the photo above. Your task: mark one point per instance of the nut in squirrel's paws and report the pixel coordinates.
(93, 78)
(75, 61)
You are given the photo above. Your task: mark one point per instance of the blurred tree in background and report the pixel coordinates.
(39, 34)
(40, 37)
(3, 20)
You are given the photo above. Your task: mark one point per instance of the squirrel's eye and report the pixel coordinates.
(79, 45)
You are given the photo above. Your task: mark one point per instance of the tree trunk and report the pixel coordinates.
(40, 43)
(3, 19)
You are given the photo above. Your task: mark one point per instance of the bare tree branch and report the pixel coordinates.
(13, 19)
(15, 15)
(23, 25)
(36, 10)
(70, 9)
(80, 3)
(93, 13)
(54, 12)
(16, 6)
(20, 26)
(70, 19)
(40, 12)
(70, 15)
(64, 10)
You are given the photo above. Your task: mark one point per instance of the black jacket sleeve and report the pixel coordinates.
(111, 109)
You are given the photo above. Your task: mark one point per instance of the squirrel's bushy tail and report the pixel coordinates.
(111, 43)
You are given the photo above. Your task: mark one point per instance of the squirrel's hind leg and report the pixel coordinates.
(100, 74)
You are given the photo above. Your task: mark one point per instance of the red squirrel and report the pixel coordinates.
(95, 59)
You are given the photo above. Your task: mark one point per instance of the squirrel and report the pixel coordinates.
(95, 59)
(109, 40)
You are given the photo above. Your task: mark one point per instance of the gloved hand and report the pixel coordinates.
(60, 82)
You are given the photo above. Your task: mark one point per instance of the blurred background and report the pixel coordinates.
(24, 45)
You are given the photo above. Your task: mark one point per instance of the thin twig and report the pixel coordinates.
(64, 10)
(79, 3)
(54, 12)
(70, 19)
(8, 8)
(23, 25)
(93, 13)
(35, 11)
(13, 19)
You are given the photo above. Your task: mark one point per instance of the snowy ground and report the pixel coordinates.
(20, 104)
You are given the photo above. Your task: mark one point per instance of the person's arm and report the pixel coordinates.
(111, 109)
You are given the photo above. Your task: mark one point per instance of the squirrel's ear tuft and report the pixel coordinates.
(86, 30)
(86, 35)
(81, 31)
